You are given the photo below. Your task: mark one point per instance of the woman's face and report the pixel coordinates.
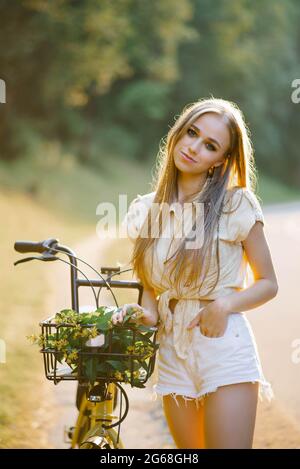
(204, 144)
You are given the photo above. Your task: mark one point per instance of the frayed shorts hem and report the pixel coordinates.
(265, 391)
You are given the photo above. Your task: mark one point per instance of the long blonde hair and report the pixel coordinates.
(238, 170)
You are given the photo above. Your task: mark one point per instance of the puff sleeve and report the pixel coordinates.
(246, 210)
(136, 215)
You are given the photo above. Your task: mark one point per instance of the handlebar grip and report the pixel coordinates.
(31, 246)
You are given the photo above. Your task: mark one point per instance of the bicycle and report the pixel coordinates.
(96, 402)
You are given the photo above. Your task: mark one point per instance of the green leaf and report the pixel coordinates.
(91, 369)
(144, 364)
(117, 365)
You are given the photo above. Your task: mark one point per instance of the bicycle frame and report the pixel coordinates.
(97, 435)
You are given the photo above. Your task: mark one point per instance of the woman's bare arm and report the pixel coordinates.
(212, 318)
(265, 285)
(149, 302)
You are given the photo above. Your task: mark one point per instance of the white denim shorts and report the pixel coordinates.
(211, 363)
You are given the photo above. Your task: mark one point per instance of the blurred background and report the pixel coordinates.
(91, 89)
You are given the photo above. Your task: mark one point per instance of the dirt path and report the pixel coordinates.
(275, 325)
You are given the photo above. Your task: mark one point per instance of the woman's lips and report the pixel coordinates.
(187, 158)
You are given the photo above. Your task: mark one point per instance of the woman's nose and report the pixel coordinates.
(195, 146)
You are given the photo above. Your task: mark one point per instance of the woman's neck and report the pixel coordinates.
(188, 184)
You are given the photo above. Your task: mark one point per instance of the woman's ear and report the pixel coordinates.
(219, 162)
(224, 158)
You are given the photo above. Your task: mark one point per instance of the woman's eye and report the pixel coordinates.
(191, 132)
(211, 147)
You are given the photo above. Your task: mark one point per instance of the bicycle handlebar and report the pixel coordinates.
(31, 246)
(49, 248)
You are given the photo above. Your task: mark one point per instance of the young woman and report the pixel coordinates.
(198, 292)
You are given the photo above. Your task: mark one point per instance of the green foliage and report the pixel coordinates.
(247, 53)
(107, 78)
(110, 141)
(69, 337)
(72, 53)
(145, 99)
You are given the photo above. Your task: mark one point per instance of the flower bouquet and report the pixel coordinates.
(94, 349)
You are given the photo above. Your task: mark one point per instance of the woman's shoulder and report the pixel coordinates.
(240, 211)
(137, 213)
(140, 205)
(237, 195)
(145, 199)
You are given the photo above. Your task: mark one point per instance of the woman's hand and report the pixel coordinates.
(139, 315)
(212, 319)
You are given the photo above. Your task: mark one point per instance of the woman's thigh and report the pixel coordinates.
(185, 421)
(229, 416)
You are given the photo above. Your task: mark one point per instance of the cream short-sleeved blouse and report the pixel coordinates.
(233, 229)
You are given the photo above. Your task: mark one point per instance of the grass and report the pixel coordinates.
(59, 183)
(26, 296)
(62, 185)
(23, 302)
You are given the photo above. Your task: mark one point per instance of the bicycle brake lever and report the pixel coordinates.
(45, 257)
